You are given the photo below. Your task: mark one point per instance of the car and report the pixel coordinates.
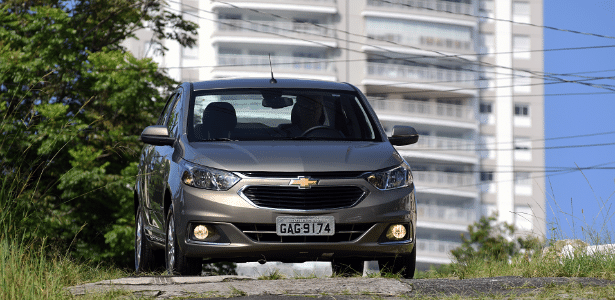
(259, 169)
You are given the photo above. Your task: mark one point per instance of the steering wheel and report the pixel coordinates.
(325, 131)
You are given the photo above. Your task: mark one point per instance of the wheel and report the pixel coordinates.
(347, 267)
(176, 262)
(145, 260)
(403, 265)
(323, 131)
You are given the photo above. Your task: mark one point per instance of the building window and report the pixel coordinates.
(487, 79)
(524, 217)
(522, 81)
(523, 143)
(486, 179)
(486, 113)
(488, 44)
(523, 147)
(521, 46)
(523, 179)
(522, 110)
(486, 176)
(420, 33)
(486, 107)
(487, 10)
(487, 146)
(521, 12)
(229, 17)
(523, 183)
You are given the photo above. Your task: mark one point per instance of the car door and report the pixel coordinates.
(162, 163)
(154, 177)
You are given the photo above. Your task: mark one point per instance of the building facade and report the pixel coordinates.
(465, 73)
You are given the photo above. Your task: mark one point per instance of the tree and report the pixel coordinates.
(73, 103)
(492, 241)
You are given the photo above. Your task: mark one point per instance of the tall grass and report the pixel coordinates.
(596, 229)
(30, 268)
(548, 258)
(31, 271)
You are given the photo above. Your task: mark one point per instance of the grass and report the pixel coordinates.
(272, 275)
(539, 265)
(29, 271)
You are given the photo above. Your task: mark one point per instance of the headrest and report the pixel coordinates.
(307, 112)
(220, 116)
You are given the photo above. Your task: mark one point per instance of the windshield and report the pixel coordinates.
(278, 114)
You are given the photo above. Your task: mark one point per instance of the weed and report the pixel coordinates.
(275, 275)
(236, 292)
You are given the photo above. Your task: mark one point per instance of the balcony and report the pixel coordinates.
(445, 214)
(428, 142)
(425, 180)
(451, 112)
(327, 7)
(276, 27)
(424, 40)
(437, 5)
(435, 248)
(288, 63)
(422, 75)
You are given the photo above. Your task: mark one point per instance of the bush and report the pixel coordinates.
(491, 241)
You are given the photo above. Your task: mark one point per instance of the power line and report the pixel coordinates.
(500, 20)
(388, 50)
(572, 170)
(514, 149)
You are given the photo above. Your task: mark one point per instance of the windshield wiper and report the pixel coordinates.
(312, 138)
(217, 140)
(299, 138)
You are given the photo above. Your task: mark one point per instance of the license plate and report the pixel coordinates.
(316, 225)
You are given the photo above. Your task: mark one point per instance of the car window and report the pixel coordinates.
(279, 114)
(165, 111)
(174, 117)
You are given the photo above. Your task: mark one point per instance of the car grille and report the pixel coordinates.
(291, 197)
(267, 233)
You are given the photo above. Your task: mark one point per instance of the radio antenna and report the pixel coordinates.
(271, 67)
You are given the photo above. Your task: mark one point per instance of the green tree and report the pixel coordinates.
(491, 241)
(73, 102)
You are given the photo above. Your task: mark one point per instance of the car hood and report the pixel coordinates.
(293, 156)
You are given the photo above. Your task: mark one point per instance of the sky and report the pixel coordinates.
(580, 204)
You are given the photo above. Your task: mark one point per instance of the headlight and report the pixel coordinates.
(391, 179)
(208, 178)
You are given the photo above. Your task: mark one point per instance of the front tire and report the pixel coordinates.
(176, 262)
(145, 260)
(404, 265)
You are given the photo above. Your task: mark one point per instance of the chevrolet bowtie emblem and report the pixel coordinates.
(304, 182)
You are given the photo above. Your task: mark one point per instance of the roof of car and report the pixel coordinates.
(266, 83)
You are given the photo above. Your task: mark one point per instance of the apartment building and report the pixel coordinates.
(457, 71)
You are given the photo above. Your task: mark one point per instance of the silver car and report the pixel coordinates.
(262, 170)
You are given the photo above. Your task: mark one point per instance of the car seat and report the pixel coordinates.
(219, 120)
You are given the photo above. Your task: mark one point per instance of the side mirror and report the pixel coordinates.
(403, 135)
(157, 135)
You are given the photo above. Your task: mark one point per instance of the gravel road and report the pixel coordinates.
(248, 288)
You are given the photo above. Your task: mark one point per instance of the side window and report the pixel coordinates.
(175, 117)
(165, 112)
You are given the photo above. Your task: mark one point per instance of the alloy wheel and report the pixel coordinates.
(138, 242)
(171, 246)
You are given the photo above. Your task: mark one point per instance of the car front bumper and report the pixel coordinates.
(232, 215)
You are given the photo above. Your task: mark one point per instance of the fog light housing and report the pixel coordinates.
(201, 232)
(396, 232)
